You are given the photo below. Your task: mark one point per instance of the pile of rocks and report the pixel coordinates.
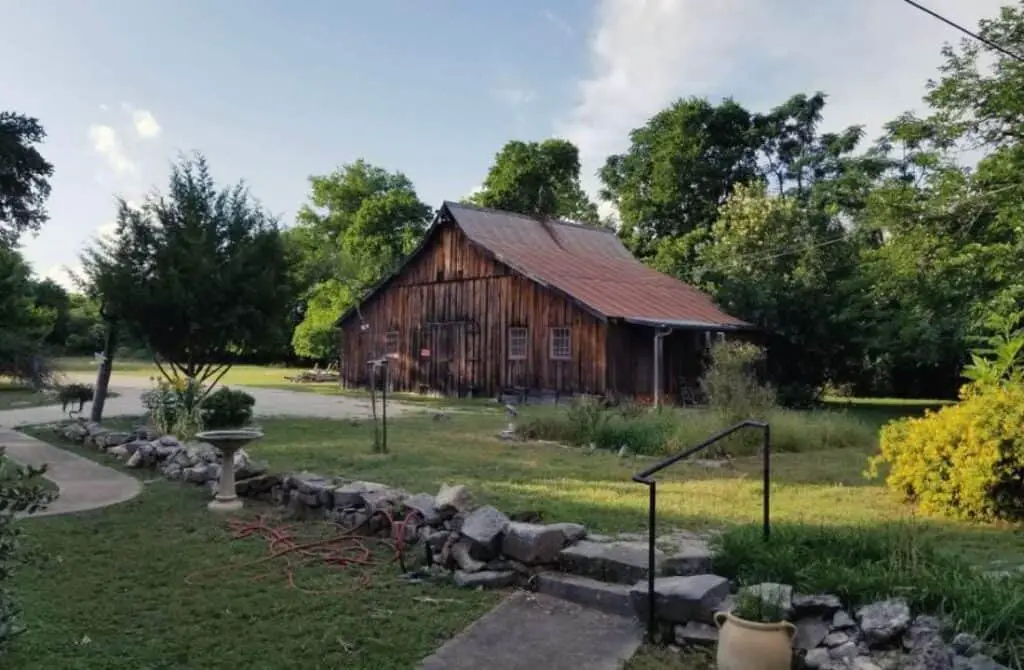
(880, 636)
(144, 447)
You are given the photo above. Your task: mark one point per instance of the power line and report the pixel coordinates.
(965, 31)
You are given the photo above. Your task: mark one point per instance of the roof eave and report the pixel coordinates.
(687, 324)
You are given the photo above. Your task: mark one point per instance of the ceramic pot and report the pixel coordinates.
(750, 645)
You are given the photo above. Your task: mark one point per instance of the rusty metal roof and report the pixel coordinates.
(590, 265)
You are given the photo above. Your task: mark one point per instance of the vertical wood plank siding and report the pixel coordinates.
(457, 304)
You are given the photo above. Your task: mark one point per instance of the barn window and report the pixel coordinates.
(517, 343)
(391, 344)
(561, 344)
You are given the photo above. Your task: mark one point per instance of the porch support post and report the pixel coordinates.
(659, 351)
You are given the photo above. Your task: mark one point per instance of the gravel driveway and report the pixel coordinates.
(269, 402)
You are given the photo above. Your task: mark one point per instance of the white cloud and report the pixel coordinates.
(145, 123)
(871, 57)
(107, 144)
(558, 22)
(514, 96)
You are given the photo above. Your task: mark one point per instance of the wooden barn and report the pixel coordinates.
(493, 301)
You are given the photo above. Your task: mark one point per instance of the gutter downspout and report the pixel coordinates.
(659, 337)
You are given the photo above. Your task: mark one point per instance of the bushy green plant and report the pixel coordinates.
(176, 407)
(21, 490)
(585, 416)
(964, 460)
(759, 607)
(731, 385)
(227, 408)
(967, 460)
(866, 564)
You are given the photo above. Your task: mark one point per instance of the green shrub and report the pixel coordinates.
(866, 564)
(21, 490)
(964, 460)
(731, 385)
(174, 408)
(225, 408)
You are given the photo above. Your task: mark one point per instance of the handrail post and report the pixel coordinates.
(651, 567)
(766, 449)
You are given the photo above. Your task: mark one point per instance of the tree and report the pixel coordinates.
(23, 324)
(198, 274)
(540, 179)
(359, 223)
(52, 296)
(680, 167)
(24, 177)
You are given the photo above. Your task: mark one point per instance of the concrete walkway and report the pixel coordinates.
(531, 631)
(83, 484)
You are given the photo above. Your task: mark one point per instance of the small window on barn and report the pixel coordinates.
(561, 344)
(391, 344)
(517, 343)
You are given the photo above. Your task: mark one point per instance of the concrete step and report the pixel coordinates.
(602, 596)
(626, 562)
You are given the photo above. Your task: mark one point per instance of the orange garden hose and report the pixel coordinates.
(288, 551)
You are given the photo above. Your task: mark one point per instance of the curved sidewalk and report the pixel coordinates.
(84, 484)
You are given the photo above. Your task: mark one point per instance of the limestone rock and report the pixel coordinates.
(922, 631)
(135, 460)
(696, 634)
(572, 532)
(930, 653)
(310, 483)
(681, 599)
(884, 621)
(982, 662)
(485, 579)
(453, 499)
(383, 499)
(844, 652)
(485, 526)
(842, 620)
(691, 556)
(532, 543)
(112, 439)
(460, 552)
(837, 638)
(966, 644)
(810, 631)
(816, 658)
(815, 604)
(119, 451)
(423, 504)
(351, 494)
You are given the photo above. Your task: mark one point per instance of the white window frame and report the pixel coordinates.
(392, 343)
(521, 335)
(556, 333)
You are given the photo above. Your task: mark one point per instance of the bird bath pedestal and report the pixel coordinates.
(228, 442)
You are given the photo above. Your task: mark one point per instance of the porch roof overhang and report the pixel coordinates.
(684, 324)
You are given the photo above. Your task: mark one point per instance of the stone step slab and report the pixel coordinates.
(598, 595)
(682, 599)
(626, 562)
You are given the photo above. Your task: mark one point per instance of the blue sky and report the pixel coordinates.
(274, 91)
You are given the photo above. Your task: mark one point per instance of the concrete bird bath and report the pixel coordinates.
(228, 442)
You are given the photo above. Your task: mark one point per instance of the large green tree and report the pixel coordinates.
(359, 222)
(197, 273)
(24, 324)
(539, 179)
(24, 177)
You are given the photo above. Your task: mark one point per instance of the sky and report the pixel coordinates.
(274, 91)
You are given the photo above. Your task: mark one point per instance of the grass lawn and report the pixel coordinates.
(243, 375)
(115, 595)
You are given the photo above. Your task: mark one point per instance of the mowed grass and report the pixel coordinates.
(242, 375)
(113, 595)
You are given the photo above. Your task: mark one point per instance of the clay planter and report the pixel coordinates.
(750, 645)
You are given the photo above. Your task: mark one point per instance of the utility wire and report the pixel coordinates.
(965, 31)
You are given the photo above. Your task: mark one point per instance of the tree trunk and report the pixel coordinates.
(103, 375)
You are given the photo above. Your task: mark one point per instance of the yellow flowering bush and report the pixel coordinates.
(965, 460)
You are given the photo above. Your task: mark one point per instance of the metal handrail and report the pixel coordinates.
(645, 478)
